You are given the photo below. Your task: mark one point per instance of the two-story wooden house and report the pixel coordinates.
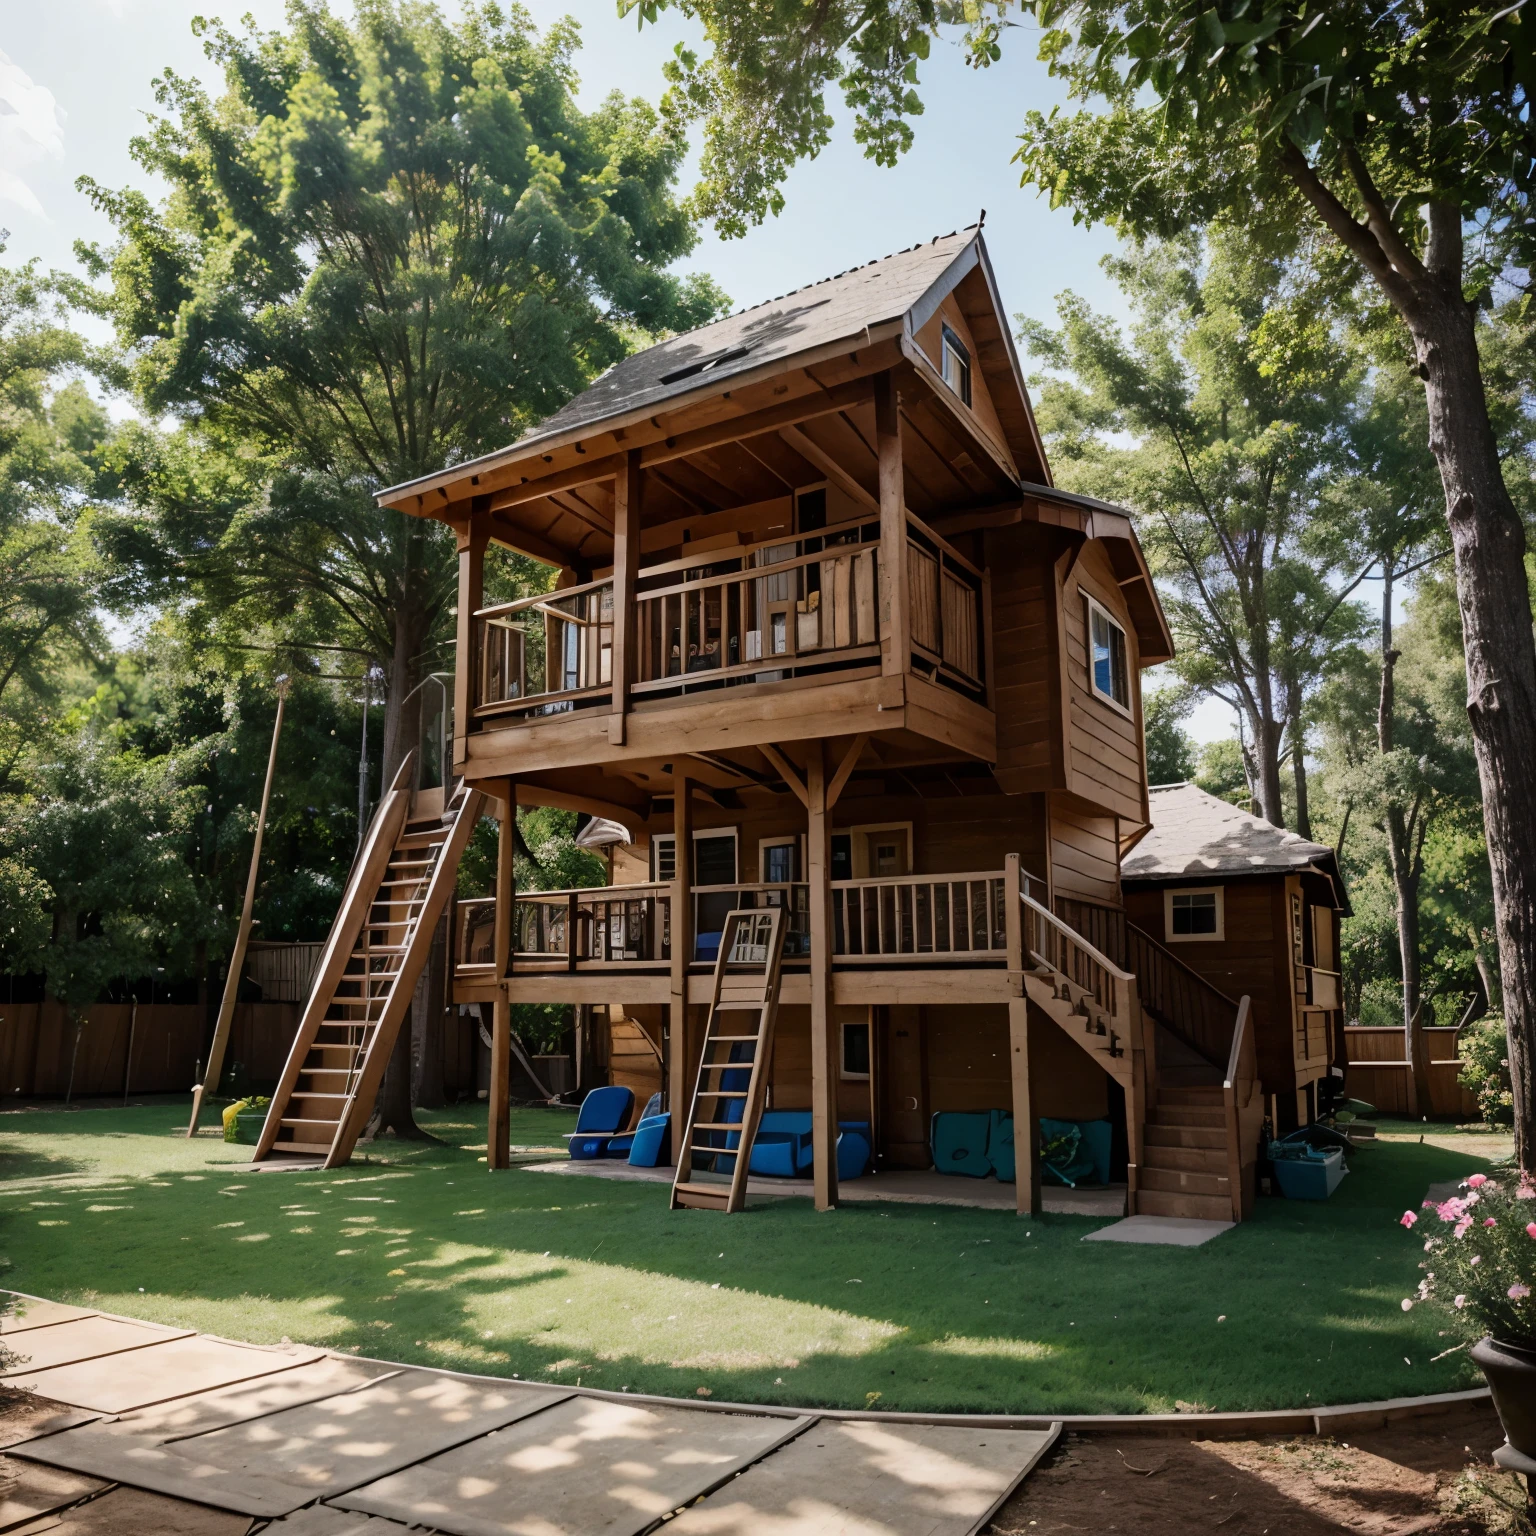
(826, 640)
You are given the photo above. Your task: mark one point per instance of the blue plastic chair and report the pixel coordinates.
(604, 1112)
(622, 1146)
(783, 1146)
(652, 1141)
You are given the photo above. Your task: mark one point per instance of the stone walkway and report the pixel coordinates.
(138, 1428)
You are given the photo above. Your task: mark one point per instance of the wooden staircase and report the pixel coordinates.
(728, 1093)
(368, 971)
(1184, 1166)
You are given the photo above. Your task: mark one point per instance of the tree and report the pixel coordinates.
(1171, 751)
(392, 243)
(49, 441)
(1230, 390)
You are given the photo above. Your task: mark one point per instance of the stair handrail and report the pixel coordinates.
(1187, 1028)
(1117, 1005)
(1241, 1075)
(1076, 939)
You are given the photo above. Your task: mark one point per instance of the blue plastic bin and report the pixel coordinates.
(1306, 1173)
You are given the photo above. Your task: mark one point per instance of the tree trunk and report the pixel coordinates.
(392, 1108)
(428, 1012)
(1405, 884)
(1299, 762)
(1266, 745)
(402, 704)
(1494, 596)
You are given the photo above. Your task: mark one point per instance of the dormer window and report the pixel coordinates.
(1107, 668)
(955, 359)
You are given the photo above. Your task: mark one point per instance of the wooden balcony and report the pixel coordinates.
(929, 923)
(734, 626)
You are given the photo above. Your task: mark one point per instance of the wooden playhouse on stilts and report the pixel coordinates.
(863, 689)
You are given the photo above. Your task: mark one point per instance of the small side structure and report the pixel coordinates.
(1253, 909)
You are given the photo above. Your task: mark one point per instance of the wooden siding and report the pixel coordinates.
(1026, 666)
(1085, 856)
(929, 339)
(1105, 763)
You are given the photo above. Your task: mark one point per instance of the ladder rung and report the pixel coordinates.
(717, 1125)
(720, 1093)
(306, 1120)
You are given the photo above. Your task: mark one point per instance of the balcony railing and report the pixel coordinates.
(758, 613)
(957, 918)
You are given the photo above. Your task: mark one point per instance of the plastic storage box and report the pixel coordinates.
(1307, 1173)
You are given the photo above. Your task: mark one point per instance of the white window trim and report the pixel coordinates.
(795, 840)
(1195, 938)
(1094, 605)
(968, 358)
(844, 1075)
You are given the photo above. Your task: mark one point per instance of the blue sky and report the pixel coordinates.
(75, 84)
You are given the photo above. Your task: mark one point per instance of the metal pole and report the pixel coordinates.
(243, 935)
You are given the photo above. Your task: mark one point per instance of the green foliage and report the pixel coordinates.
(1484, 1051)
(26, 901)
(392, 243)
(1221, 771)
(1171, 750)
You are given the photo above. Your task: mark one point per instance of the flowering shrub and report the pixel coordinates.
(1480, 1260)
(1484, 1052)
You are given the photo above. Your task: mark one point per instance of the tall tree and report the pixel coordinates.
(1216, 418)
(392, 242)
(1402, 128)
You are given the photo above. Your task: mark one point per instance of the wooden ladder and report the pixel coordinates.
(367, 974)
(716, 1146)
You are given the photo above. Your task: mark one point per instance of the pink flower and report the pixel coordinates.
(1477, 1181)
(1459, 1302)
(1477, 1258)
(1409, 1220)
(1407, 1305)
(1460, 1229)
(1451, 1210)
(1530, 1229)
(1488, 1221)
(1518, 1292)
(1525, 1192)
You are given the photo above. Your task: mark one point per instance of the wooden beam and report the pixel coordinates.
(845, 770)
(787, 770)
(895, 604)
(472, 542)
(823, 1047)
(829, 466)
(679, 1055)
(626, 567)
(562, 480)
(1025, 1142)
(498, 1107)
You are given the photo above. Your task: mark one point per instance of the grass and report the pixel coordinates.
(419, 1255)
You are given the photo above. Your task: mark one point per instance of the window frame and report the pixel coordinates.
(792, 840)
(669, 839)
(1094, 606)
(1218, 937)
(952, 343)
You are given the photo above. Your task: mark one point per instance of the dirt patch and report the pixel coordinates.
(1431, 1478)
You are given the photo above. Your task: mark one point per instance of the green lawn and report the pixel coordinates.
(420, 1255)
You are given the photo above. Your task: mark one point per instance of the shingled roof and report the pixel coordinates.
(835, 309)
(1194, 834)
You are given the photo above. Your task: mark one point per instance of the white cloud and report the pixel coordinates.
(31, 129)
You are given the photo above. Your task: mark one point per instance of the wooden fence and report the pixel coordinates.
(1378, 1071)
(38, 1042)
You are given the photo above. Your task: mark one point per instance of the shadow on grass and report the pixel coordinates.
(425, 1259)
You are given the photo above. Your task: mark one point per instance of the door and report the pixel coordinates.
(888, 854)
(902, 1086)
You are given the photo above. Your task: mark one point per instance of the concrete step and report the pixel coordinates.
(1189, 1159)
(1181, 1114)
(1185, 1136)
(1178, 1181)
(1158, 1202)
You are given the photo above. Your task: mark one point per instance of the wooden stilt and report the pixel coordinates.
(226, 1019)
(823, 1053)
(1025, 1141)
(679, 1054)
(497, 1151)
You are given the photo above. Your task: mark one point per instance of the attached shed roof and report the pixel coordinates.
(1194, 834)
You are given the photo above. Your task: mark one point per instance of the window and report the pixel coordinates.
(855, 1060)
(714, 857)
(955, 364)
(780, 860)
(842, 856)
(1107, 665)
(1193, 915)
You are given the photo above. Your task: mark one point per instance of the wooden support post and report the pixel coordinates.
(818, 861)
(497, 1137)
(1025, 1140)
(466, 663)
(626, 566)
(679, 1051)
(210, 1082)
(895, 598)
